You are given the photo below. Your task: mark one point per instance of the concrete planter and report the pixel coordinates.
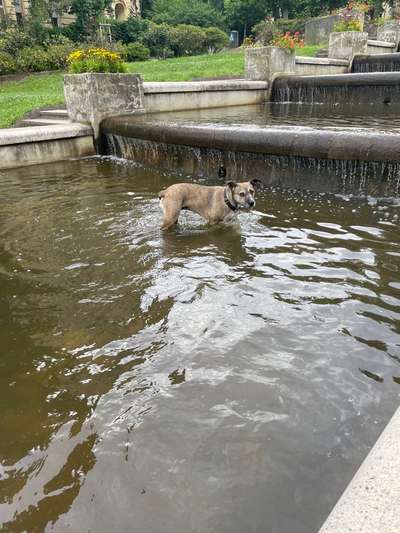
(389, 31)
(91, 97)
(262, 63)
(346, 44)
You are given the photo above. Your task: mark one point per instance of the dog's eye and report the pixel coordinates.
(242, 194)
(251, 191)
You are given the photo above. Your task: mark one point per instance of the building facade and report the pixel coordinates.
(15, 11)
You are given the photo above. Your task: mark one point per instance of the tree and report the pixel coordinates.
(88, 14)
(193, 12)
(242, 15)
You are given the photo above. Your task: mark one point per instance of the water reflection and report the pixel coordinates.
(205, 379)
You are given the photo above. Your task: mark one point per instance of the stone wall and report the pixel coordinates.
(318, 30)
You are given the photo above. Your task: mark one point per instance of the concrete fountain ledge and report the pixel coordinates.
(284, 141)
(178, 96)
(370, 504)
(44, 144)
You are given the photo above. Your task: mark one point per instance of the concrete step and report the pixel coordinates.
(54, 113)
(322, 52)
(43, 122)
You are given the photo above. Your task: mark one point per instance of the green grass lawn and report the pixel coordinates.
(17, 98)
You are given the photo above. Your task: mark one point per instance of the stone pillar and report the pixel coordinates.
(346, 44)
(91, 97)
(262, 63)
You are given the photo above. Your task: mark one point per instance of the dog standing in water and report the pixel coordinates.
(215, 204)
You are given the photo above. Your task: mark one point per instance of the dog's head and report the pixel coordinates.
(243, 193)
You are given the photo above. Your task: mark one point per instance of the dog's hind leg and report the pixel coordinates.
(170, 214)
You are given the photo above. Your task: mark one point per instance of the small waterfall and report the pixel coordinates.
(376, 63)
(354, 89)
(379, 178)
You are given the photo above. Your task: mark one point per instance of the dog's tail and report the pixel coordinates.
(161, 194)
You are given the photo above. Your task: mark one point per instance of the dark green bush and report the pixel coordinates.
(136, 52)
(216, 39)
(128, 31)
(33, 60)
(13, 40)
(158, 39)
(7, 64)
(187, 40)
(57, 56)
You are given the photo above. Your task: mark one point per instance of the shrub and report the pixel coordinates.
(268, 30)
(57, 56)
(95, 60)
(33, 60)
(288, 41)
(128, 31)
(347, 25)
(7, 64)
(158, 39)
(215, 40)
(136, 52)
(14, 40)
(191, 12)
(188, 40)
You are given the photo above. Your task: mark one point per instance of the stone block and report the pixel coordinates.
(91, 97)
(389, 31)
(346, 44)
(262, 63)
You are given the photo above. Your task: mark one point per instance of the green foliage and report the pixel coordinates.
(158, 40)
(136, 52)
(7, 64)
(128, 31)
(88, 14)
(95, 60)
(187, 40)
(347, 25)
(242, 15)
(13, 40)
(190, 12)
(33, 60)
(267, 30)
(215, 40)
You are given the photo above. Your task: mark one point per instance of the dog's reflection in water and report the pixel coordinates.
(224, 241)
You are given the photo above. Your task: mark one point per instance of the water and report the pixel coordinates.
(373, 89)
(223, 379)
(339, 117)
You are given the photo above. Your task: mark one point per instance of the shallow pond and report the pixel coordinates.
(227, 379)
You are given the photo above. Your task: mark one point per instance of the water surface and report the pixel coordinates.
(227, 379)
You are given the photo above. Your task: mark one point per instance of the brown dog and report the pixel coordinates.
(215, 204)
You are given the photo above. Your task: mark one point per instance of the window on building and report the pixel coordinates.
(19, 19)
(54, 21)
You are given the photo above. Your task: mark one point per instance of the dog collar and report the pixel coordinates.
(229, 203)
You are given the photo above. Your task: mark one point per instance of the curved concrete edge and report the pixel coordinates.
(280, 141)
(381, 44)
(35, 134)
(348, 80)
(321, 61)
(370, 504)
(203, 86)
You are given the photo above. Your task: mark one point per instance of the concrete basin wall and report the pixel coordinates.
(380, 47)
(378, 87)
(320, 65)
(44, 144)
(178, 96)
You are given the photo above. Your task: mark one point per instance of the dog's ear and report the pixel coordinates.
(231, 184)
(256, 183)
